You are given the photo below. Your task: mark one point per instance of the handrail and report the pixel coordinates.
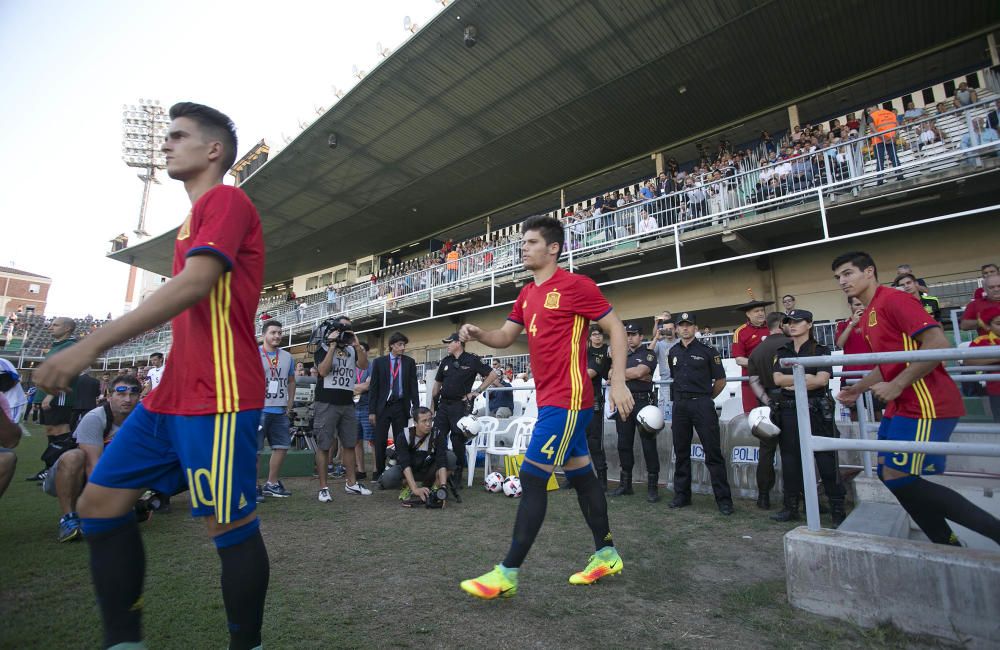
(810, 443)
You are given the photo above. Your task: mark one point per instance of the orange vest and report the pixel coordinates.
(452, 258)
(883, 121)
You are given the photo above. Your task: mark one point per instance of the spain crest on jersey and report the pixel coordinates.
(872, 319)
(552, 300)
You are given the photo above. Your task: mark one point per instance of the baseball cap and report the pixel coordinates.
(633, 328)
(685, 317)
(798, 315)
(452, 337)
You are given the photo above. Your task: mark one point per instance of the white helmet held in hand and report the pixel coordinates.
(761, 425)
(650, 418)
(470, 426)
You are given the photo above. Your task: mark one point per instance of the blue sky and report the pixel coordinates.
(67, 69)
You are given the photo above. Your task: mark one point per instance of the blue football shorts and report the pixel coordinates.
(559, 434)
(915, 430)
(214, 456)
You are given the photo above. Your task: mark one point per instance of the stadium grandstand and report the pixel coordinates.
(698, 154)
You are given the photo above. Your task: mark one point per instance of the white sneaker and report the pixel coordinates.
(324, 495)
(357, 488)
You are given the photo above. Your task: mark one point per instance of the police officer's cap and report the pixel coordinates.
(747, 306)
(452, 337)
(798, 315)
(685, 317)
(633, 328)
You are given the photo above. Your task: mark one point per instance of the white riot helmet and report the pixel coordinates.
(650, 419)
(761, 425)
(470, 426)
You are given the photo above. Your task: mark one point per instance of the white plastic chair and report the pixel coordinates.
(518, 432)
(487, 425)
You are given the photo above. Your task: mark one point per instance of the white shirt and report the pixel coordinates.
(154, 375)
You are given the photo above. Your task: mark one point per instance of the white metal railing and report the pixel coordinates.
(846, 167)
(810, 444)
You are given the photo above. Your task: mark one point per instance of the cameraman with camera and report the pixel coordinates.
(663, 339)
(338, 356)
(423, 461)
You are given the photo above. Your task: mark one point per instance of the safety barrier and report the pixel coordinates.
(810, 444)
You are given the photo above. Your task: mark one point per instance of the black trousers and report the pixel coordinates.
(791, 455)
(765, 465)
(394, 415)
(626, 441)
(595, 439)
(446, 419)
(698, 414)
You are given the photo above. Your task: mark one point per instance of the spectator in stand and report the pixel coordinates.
(155, 372)
(991, 318)
(508, 372)
(788, 302)
(852, 123)
(986, 270)
(300, 369)
(906, 268)
(647, 224)
(980, 134)
(912, 113)
(965, 96)
(331, 299)
(767, 142)
(929, 133)
(908, 282)
(971, 317)
(647, 192)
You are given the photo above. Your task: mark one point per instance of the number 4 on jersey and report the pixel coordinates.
(531, 327)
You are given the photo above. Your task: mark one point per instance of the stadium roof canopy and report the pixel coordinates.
(440, 134)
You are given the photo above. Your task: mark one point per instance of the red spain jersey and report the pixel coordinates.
(891, 323)
(972, 311)
(555, 314)
(214, 365)
(747, 337)
(992, 387)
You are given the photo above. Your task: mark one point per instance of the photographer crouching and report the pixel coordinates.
(423, 461)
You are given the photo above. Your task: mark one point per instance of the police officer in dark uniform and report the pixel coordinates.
(598, 365)
(639, 378)
(453, 384)
(698, 377)
(821, 413)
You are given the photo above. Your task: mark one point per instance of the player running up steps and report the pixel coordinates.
(923, 403)
(199, 426)
(556, 308)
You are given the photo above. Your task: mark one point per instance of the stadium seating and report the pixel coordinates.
(510, 442)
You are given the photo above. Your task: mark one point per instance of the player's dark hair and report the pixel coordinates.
(128, 380)
(548, 227)
(269, 324)
(398, 337)
(903, 276)
(859, 259)
(788, 295)
(774, 319)
(156, 355)
(214, 123)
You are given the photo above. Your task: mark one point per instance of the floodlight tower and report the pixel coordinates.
(144, 128)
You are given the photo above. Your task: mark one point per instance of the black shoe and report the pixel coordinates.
(652, 493)
(40, 476)
(764, 501)
(680, 502)
(789, 513)
(624, 485)
(726, 508)
(837, 512)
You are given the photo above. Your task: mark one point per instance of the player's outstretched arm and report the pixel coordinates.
(187, 288)
(619, 396)
(501, 338)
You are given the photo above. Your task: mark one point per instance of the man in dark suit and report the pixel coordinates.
(392, 396)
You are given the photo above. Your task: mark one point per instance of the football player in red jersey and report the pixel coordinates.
(555, 309)
(198, 427)
(923, 403)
